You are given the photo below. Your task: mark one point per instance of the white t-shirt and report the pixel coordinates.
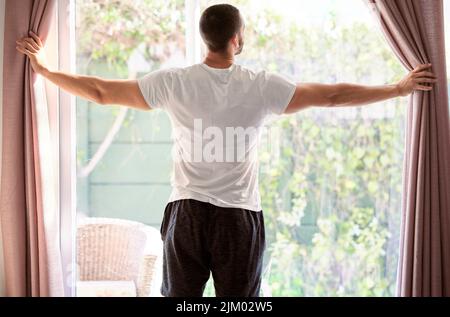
(217, 116)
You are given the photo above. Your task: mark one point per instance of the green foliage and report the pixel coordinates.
(331, 195)
(110, 30)
(345, 179)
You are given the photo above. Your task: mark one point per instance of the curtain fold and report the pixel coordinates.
(28, 200)
(415, 31)
(2, 32)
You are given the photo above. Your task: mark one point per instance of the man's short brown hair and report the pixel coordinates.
(218, 24)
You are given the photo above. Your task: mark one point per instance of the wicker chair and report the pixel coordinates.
(113, 250)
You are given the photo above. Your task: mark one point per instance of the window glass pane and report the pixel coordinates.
(331, 191)
(330, 181)
(123, 155)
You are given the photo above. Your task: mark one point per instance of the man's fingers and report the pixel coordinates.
(421, 67)
(20, 49)
(28, 41)
(426, 80)
(28, 46)
(32, 43)
(36, 38)
(424, 88)
(23, 50)
(425, 74)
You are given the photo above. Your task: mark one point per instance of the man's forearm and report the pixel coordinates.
(86, 87)
(358, 95)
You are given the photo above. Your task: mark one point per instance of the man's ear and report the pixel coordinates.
(235, 41)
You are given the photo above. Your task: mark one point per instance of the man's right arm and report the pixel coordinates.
(96, 89)
(342, 94)
(100, 90)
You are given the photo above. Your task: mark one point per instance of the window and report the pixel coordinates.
(331, 190)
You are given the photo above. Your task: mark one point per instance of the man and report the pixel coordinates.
(213, 222)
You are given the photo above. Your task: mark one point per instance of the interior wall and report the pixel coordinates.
(2, 20)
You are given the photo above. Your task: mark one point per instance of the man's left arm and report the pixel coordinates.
(342, 94)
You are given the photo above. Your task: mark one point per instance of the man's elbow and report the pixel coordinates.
(329, 101)
(99, 94)
(336, 95)
(100, 98)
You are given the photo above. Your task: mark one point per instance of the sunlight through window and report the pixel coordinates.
(332, 201)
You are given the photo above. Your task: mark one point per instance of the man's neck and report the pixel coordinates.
(219, 60)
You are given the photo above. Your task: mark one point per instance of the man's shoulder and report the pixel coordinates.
(185, 70)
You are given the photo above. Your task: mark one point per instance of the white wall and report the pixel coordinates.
(2, 19)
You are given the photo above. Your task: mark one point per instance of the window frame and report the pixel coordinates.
(67, 146)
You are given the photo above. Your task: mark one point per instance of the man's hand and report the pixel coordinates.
(33, 48)
(416, 79)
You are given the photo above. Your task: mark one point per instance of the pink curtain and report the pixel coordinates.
(28, 200)
(415, 31)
